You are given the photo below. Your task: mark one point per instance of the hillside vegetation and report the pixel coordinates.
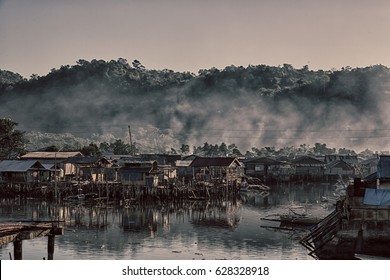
(253, 106)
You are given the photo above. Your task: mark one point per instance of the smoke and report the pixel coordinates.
(349, 110)
(353, 118)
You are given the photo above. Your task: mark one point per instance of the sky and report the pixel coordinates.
(185, 35)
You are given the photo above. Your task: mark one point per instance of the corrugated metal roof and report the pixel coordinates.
(340, 164)
(82, 160)
(384, 167)
(45, 155)
(373, 161)
(48, 165)
(372, 177)
(183, 163)
(307, 160)
(213, 161)
(19, 165)
(263, 160)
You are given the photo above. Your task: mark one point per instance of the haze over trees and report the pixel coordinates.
(255, 106)
(13, 143)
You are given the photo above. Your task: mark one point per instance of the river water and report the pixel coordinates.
(172, 230)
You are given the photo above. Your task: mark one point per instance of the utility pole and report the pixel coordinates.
(55, 175)
(131, 143)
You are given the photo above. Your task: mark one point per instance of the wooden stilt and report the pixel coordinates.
(50, 246)
(18, 251)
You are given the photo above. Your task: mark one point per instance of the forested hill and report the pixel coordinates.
(251, 106)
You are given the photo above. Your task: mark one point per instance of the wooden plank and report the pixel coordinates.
(13, 233)
(8, 238)
(23, 235)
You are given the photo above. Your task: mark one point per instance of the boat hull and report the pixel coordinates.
(298, 220)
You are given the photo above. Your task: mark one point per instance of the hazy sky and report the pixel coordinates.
(188, 35)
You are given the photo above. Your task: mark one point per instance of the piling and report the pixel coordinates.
(18, 232)
(18, 250)
(50, 246)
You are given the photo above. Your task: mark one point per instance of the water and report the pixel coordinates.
(183, 231)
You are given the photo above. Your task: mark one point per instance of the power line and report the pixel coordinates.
(125, 126)
(87, 129)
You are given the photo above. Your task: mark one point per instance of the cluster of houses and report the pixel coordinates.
(152, 170)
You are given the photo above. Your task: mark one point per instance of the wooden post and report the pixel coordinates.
(55, 177)
(18, 252)
(359, 241)
(50, 246)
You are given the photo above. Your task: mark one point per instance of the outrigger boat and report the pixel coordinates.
(295, 218)
(255, 188)
(251, 184)
(298, 220)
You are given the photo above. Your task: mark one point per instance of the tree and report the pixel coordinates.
(223, 149)
(105, 147)
(12, 142)
(34, 77)
(52, 148)
(303, 149)
(249, 154)
(185, 149)
(121, 148)
(236, 152)
(91, 150)
(367, 153)
(137, 65)
(322, 149)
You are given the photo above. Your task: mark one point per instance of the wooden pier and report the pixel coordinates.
(17, 232)
(353, 228)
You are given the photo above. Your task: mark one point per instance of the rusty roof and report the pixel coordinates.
(214, 161)
(51, 155)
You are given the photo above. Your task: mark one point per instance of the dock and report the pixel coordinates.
(356, 227)
(17, 232)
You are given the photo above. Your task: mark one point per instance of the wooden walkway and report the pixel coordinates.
(17, 232)
(322, 233)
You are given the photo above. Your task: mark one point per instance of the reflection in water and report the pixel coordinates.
(221, 215)
(171, 230)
